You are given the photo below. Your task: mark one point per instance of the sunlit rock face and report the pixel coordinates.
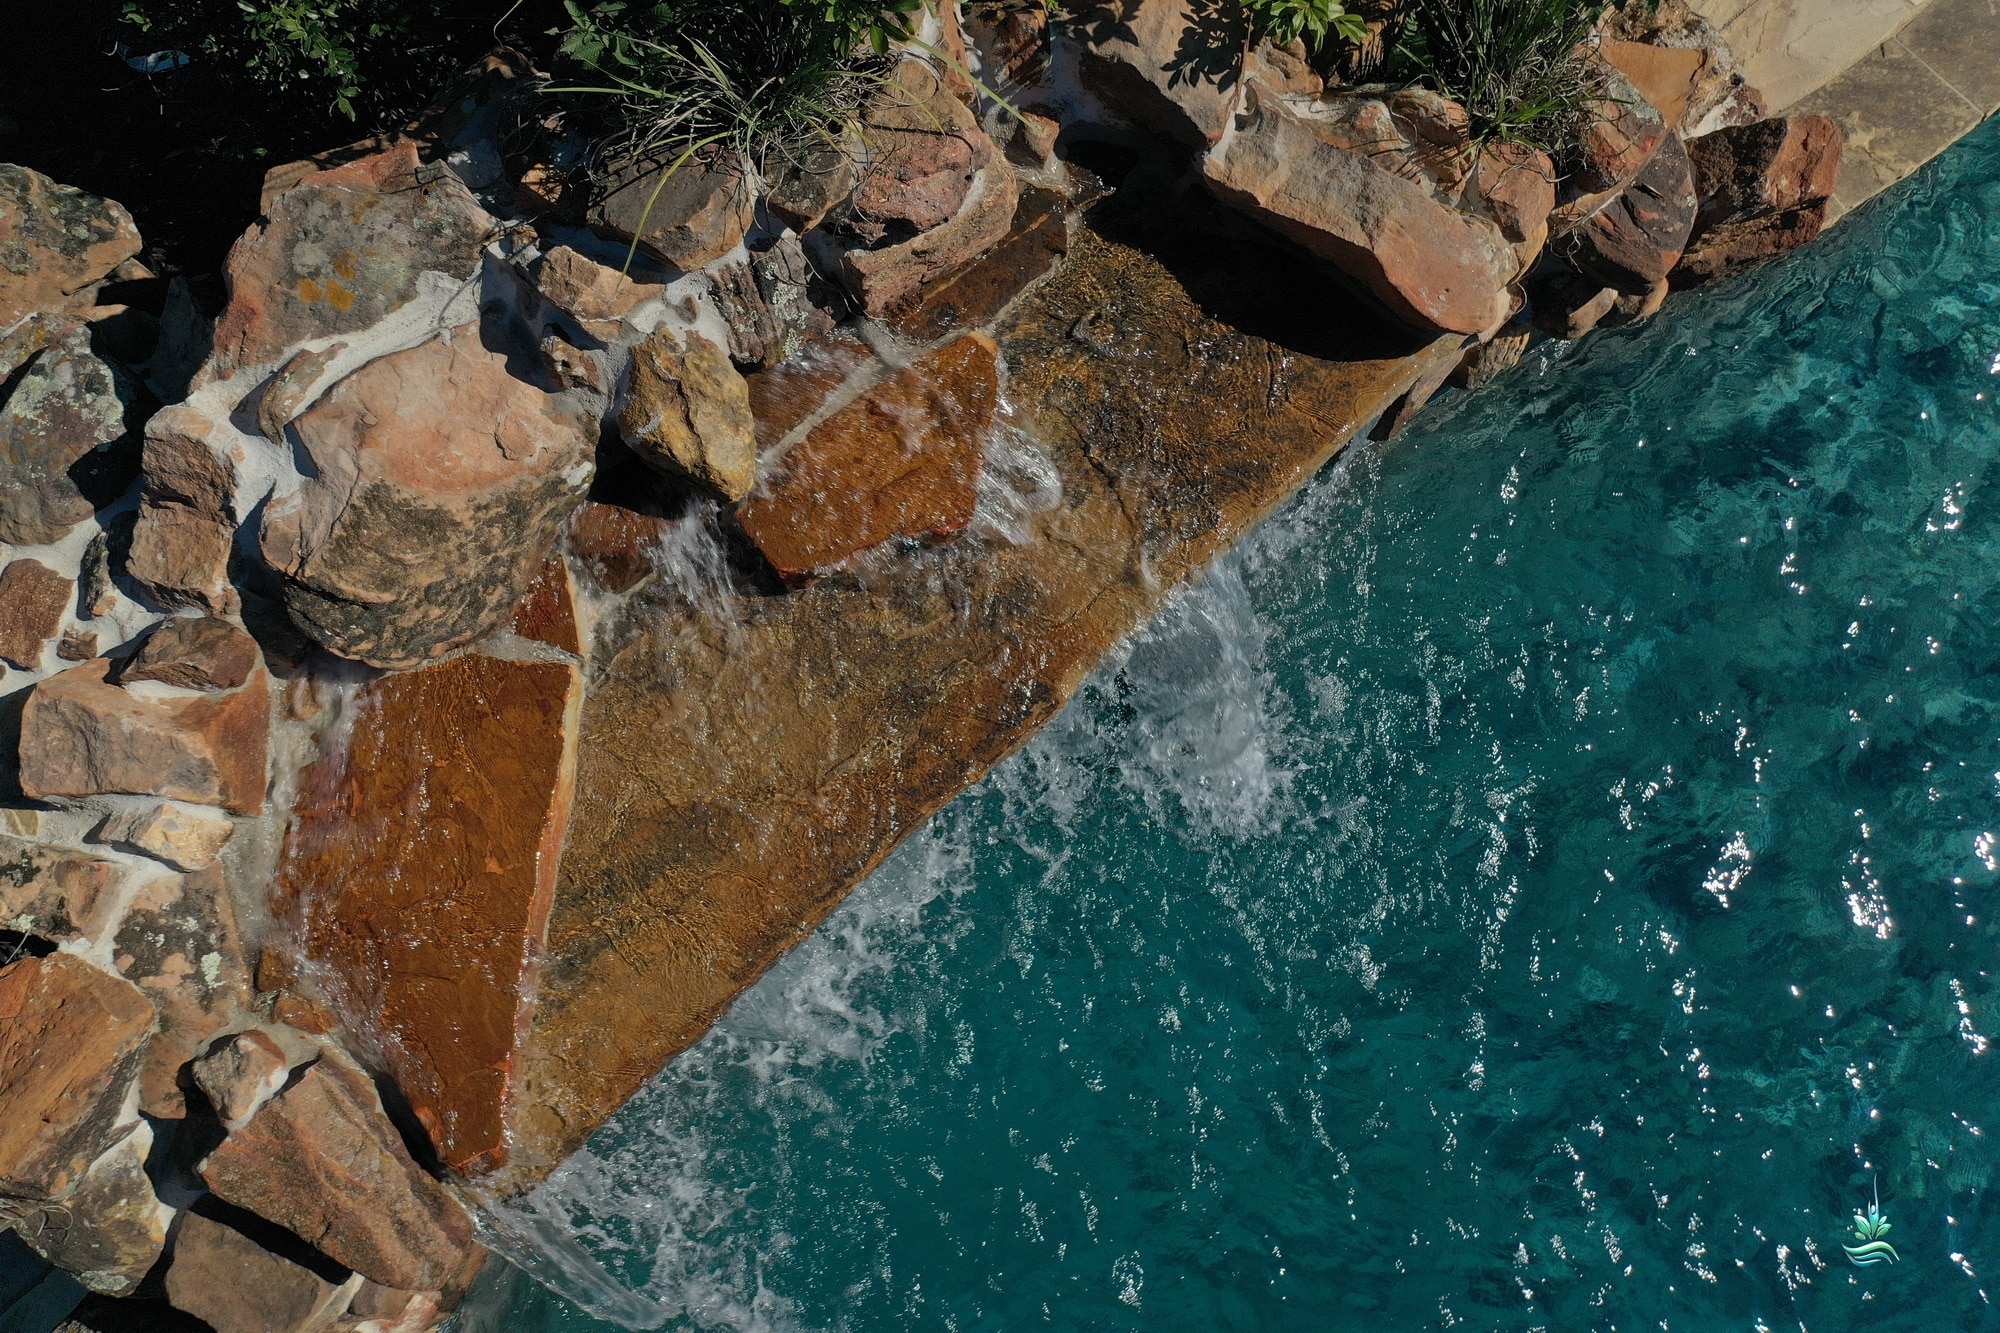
(1178, 392)
(341, 250)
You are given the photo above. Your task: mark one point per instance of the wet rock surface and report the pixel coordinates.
(417, 876)
(322, 1160)
(677, 889)
(442, 475)
(902, 460)
(71, 1041)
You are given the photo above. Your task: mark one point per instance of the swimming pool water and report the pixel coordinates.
(1543, 880)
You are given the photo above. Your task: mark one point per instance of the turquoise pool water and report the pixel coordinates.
(1541, 881)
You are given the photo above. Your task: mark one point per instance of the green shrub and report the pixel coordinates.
(1287, 21)
(782, 78)
(1520, 67)
(365, 61)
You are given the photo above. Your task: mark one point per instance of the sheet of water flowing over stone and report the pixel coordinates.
(1539, 882)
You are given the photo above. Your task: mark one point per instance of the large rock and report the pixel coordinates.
(239, 1074)
(339, 251)
(194, 653)
(71, 1040)
(68, 432)
(82, 735)
(112, 1226)
(863, 704)
(55, 241)
(186, 527)
(973, 295)
(1432, 265)
(440, 478)
(180, 945)
(183, 836)
(1681, 64)
(417, 874)
(1170, 65)
(688, 212)
(687, 413)
(322, 1160)
(1621, 132)
(1763, 189)
(596, 295)
(1012, 38)
(33, 601)
(57, 894)
(1635, 240)
(614, 544)
(234, 1285)
(933, 194)
(773, 301)
(902, 460)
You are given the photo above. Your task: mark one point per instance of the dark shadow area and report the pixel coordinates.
(1236, 272)
(185, 150)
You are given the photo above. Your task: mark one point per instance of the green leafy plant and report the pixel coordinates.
(769, 76)
(1521, 68)
(364, 60)
(1287, 21)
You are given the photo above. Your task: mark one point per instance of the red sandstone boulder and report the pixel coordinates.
(902, 460)
(418, 874)
(55, 242)
(322, 1160)
(194, 653)
(1763, 189)
(933, 192)
(33, 601)
(787, 394)
(68, 437)
(187, 519)
(546, 612)
(82, 735)
(239, 1074)
(687, 413)
(111, 1227)
(56, 894)
(688, 213)
(1433, 265)
(71, 1039)
(179, 944)
(1635, 240)
(1619, 138)
(613, 544)
(1012, 38)
(234, 1285)
(1515, 185)
(441, 479)
(596, 295)
(185, 837)
(1169, 65)
(973, 295)
(340, 250)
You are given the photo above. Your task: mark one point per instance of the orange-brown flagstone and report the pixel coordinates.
(417, 876)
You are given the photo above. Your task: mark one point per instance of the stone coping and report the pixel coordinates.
(1911, 97)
